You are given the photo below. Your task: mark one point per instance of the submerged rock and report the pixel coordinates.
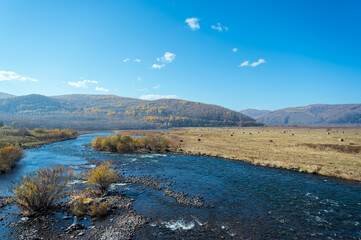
(74, 227)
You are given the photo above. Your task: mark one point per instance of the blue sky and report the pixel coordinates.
(238, 54)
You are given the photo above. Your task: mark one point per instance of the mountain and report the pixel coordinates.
(114, 112)
(254, 112)
(315, 115)
(5, 95)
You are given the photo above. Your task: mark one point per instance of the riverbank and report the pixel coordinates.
(333, 152)
(31, 139)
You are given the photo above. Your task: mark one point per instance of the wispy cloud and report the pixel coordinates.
(193, 23)
(126, 60)
(155, 97)
(101, 89)
(245, 63)
(254, 64)
(12, 76)
(137, 60)
(156, 86)
(140, 79)
(82, 84)
(219, 27)
(235, 49)
(168, 57)
(158, 66)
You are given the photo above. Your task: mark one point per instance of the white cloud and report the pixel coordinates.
(155, 97)
(140, 79)
(137, 60)
(235, 49)
(168, 57)
(193, 23)
(11, 76)
(157, 66)
(126, 60)
(82, 84)
(219, 27)
(254, 64)
(156, 86)
(245, 63)
(101, 89)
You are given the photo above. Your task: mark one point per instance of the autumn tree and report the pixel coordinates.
(38, 192)
(102, 176)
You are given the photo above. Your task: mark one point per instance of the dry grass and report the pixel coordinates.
(11, 137)
(288, 148)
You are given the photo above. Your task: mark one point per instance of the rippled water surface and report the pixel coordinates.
(248, 201)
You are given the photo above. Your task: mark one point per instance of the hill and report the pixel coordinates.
(315, 115)
(114, 112)
(5, 95)
(254, 112)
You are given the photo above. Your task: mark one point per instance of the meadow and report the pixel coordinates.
(332, 152)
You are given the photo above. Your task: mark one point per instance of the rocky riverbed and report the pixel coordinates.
(122, 222)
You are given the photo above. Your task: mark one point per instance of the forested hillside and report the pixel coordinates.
(114, 112)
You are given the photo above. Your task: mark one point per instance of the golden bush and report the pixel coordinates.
(9, 155)
(36, 193)
(102, 176)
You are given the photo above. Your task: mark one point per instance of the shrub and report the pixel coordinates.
(79, 207)
(38, 192)
(39, 130)
(127, 144)
(95, 210)
(103, 209)
(24, 132)
(102, 176)
(1, 123)
(44, 134)
(9, 155)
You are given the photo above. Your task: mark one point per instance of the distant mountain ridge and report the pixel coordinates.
(314, 115)
(6, 95)
(254, 112)
(113, 112)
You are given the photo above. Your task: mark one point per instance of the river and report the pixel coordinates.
(248, 201)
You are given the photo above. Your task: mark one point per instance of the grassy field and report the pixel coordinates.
(11, 137)
(310, 150)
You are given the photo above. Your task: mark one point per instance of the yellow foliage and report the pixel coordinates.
(9, 155)
(79, 207)
(102, 176)
(37, 192)
(127, 144)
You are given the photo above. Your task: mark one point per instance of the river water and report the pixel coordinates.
(249, 202)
